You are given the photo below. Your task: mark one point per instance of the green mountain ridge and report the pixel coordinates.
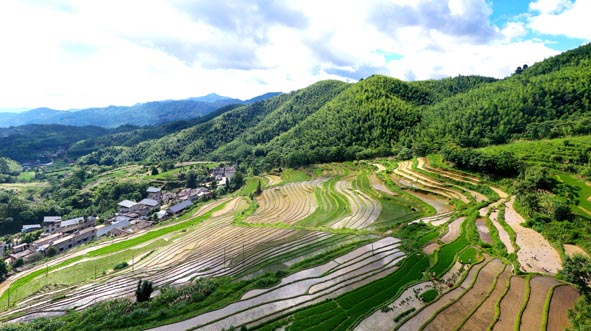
(377, 116)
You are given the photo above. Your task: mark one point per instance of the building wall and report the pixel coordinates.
(110, 227)
(79, 226)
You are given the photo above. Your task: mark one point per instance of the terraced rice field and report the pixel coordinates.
(374, 285)
(562, 300)
(483, 231)
(511, 303)
(536, 254)
(502, 232)
(310, 286)
(418, 320)
(413, 179)
(288, 203)
(453, 231)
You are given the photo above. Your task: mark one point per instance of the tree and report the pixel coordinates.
(237, 181)
(51, 251)
(154, 171)
(18, 263)
(580, 316)
(144, 290)
(3, 269)
(192, 179)
(259, 190)
(577, 270)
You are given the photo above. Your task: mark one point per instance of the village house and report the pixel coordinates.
(147, 206)
(30, 228)
(51, 223)
(19, 252)
(20, 255)
(41, 244)
(74, 239)
(155, 193)
(178, 208)
(119, 222)
(194, 194)
(168, 197)
(127, 206)
(19, 248)
(76, 224)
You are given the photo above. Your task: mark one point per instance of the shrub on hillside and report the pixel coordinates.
(144, 290)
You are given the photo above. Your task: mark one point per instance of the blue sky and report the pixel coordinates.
(68, 54)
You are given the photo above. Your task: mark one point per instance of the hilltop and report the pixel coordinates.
(334, 121)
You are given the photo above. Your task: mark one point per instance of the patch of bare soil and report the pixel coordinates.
(377, 184)
(510, 304)
(429, 249)
(379, 166)
(273, 180)
(453, 231)
(532, 316)
(563, 299)
(571, 250)
(451, 317)
(483, 231)
(440, 204)
(485, 314)
(416, 321)
(503, 234)
(535, 253)
(501, 193)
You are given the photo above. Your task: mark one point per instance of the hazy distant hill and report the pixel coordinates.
(141, 114)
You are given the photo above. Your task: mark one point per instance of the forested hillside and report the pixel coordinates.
(130, 136)
(336, 121)
(31, 143)
(333, 121)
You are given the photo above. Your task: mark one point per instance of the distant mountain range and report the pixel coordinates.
(141, 114)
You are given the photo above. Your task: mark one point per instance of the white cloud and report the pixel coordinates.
(75, 54)
(565, 18)
(548, 6)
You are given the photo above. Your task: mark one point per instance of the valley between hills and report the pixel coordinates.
(457, 204)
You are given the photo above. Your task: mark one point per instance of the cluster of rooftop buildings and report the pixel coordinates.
(131, 217)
